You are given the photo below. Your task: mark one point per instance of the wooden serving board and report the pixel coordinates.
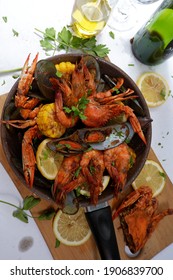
(161, 238)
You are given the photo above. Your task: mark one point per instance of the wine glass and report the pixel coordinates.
(124, 14)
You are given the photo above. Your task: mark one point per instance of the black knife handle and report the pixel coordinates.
(101, 224)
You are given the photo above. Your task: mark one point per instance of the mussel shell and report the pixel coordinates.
(44, 71)
(93, 67)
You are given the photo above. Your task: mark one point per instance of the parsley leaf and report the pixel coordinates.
(65, 40)
(28, 203)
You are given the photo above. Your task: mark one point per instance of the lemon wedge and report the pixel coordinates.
(48, 162)
(154, 88)
(85, 191)
(151, 175)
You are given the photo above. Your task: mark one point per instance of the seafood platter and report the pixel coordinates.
(95, 117)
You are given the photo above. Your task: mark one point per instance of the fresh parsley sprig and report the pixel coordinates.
(28, 203)
(65, 40)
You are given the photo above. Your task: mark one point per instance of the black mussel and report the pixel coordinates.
(44, 71)
(11, 112)
(114, 82)
(66, 146)
(93, 67)
(101, 86)
(134, 104)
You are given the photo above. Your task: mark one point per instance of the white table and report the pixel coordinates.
(23, 17)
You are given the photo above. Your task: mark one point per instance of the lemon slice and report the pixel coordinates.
(154, 88)
(92, 12)
(48, 162)
(72, 230)
(151, 175)
(86, 192)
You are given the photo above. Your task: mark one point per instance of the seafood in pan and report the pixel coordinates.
(63, 103)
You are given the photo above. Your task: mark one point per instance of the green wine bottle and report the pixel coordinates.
(153, 43)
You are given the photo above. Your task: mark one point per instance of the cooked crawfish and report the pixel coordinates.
(66, 181)
(118, 161)
(92, 165)
(137, 217)
(29, 112)
(28, 156)
(21, 98)
(100, 107)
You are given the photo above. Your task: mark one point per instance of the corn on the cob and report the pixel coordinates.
(47, 123)
(65, 67)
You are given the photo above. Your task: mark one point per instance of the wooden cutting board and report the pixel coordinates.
(161, 238)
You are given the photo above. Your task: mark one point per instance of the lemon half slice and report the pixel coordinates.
(154, 88)
(105, 181)
(48, 162)
(71, 230)
(151, 175)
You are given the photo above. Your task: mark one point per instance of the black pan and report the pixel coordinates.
(99, 217)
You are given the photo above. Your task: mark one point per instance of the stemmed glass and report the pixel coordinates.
(124, 14)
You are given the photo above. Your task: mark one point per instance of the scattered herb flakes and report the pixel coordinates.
(15, 76)
(4, 19)
(78, 110)
(163, 94)
(65, 40)
(131, 64)
(3, 83)
(159, 144)
(15, 33)
(112, 35)
(58, 74)
(162, 174)
(57, 243)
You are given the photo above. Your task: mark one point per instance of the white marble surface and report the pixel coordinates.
(23, 17)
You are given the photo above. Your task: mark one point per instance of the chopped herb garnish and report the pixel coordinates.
(92, 169)
(130, 64)
(15, 33)
(58, 74)
(76, 174)
(112, 35)
(163, 94)
(78, 110)
(15, 76)
(4, 19)
(57, 243)
(162, 174)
